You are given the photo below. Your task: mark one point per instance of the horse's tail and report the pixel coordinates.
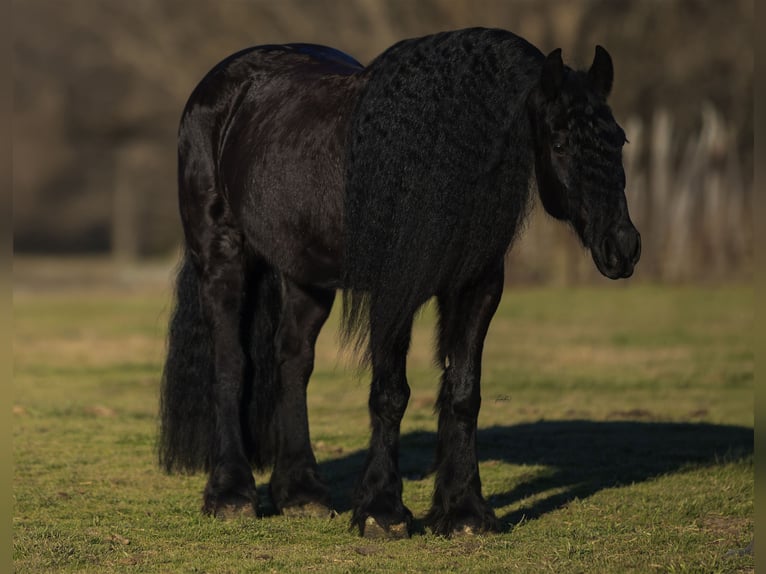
(187, 425)
(187, 414)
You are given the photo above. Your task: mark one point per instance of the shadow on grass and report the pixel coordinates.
(583, 457)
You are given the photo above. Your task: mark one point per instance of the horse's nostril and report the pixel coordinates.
(609, 248)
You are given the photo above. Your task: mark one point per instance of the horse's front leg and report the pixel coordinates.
(378, 508)
(458, 505)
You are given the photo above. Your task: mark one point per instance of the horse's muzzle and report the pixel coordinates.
(618, 252)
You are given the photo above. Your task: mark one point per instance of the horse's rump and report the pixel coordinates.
(269, 125)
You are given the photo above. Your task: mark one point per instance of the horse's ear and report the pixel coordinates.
(601, 73)
(552, 76)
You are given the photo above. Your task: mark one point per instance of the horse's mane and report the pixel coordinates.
(438, 168)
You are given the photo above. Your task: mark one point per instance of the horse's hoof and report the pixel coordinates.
(373, 529)
(308, 510)
(234, 511)
(465, 530)
(231, 508)
(473, 528)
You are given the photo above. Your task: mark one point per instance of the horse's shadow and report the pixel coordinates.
(581, 458)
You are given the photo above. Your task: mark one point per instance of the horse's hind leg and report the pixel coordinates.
(458, 505)
(378, 508)
(230, 488)
(215, 246)
(295, 485)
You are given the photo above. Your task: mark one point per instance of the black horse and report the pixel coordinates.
(301, 172)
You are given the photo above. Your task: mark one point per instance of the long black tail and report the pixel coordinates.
(187, 413)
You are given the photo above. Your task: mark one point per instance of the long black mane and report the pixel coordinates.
(437, 174)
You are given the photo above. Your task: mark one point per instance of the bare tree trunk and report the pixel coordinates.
(659, 178)
(124, 233)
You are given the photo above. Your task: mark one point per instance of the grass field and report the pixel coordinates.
(616, 437)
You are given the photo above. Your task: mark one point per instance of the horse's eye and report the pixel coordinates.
(558, 147)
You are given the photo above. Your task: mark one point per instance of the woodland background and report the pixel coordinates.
(100, 85)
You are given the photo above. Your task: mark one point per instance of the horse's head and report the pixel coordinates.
(578, 160)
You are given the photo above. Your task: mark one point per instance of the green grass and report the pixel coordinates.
(616, 437)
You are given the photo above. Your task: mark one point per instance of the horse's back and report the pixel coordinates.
(270, 123)
(253, 63)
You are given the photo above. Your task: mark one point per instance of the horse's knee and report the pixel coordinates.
(389, 398)
(460, 395)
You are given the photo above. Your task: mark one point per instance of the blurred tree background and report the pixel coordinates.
(100, 85)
